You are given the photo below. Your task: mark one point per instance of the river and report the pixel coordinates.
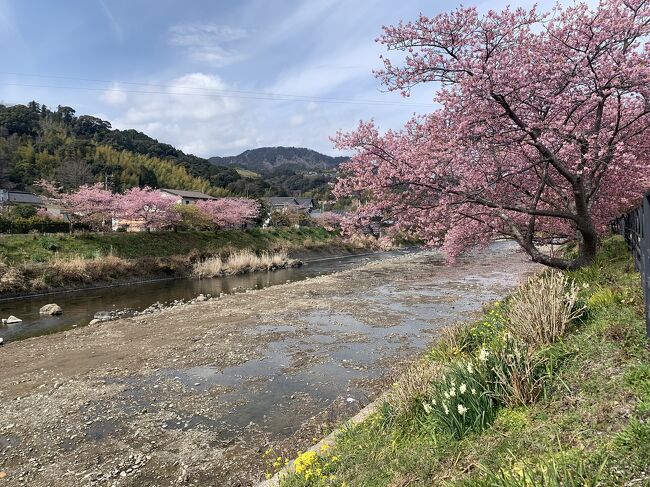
(81, 305)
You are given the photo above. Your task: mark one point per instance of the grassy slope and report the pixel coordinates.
(590, 427)
(15, 249)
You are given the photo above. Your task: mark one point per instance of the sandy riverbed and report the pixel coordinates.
(194, 395)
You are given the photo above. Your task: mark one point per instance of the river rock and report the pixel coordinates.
(103, 315)
(12, 320)
(201, 298)
(51, 309)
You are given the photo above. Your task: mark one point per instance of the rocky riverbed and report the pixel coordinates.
(195, 393)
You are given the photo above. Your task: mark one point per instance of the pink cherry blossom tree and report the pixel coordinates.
(229, 212)
(149, 207)
(91, 204)
(542, 129)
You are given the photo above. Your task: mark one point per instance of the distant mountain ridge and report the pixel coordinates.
(269, 159)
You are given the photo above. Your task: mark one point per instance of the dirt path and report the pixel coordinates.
(193, 395)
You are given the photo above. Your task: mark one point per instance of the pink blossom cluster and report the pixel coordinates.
(542, 130)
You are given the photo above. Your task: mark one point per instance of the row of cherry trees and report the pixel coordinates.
(151, 208)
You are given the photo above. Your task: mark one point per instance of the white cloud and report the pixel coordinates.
(115, 95)
(208, 43)
(296, 120)
(202, 125)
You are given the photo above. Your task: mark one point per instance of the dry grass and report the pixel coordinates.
(360, 241)
(11, 279)
(241, 263)
(78, 269)
(453, 337)
(412, 386)
(520, 373)
(540, 312)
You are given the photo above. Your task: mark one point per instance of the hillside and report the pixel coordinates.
(36, 142)
(271, 159)
(284, 171)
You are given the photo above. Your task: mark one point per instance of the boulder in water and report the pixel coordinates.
(51, 309)
(12, 320)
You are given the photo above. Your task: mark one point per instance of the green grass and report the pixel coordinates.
(589, 426)
(17, 249)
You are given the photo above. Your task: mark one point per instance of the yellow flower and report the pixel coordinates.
(304, 462)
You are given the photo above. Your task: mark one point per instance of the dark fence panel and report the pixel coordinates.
(635, 228)
(27, 226)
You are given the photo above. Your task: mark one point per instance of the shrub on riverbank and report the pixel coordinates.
(242, 262)
(574, 412)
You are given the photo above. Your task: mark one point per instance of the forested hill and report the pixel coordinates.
(270, 159)
(37, 142)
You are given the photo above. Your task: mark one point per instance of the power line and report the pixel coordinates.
(208, 92)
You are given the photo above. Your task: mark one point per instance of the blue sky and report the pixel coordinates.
(148, 64)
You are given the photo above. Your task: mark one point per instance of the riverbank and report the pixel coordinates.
(574, 412)
(31, 264)
(199, 392)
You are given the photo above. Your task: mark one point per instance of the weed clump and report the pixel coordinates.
(540, 312)
(242, 262)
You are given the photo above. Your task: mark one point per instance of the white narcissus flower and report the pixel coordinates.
(470, 368)
(473, 391)
(462, 410)
(483, 355)
(452, 392)
(463, 388)
(427, 407)
(444, 406)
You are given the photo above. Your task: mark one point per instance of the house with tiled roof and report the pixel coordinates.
(186, 197)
